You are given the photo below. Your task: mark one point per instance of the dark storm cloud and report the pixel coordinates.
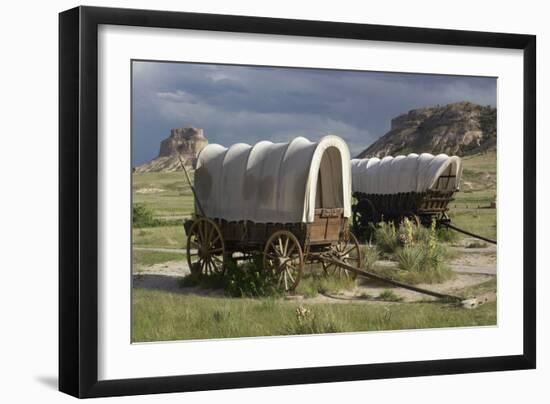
(247, 104)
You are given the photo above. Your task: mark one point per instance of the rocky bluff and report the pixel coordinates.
(185, 142)
(456, 129)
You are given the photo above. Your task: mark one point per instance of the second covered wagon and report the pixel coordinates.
(413, 186)
(288, 201)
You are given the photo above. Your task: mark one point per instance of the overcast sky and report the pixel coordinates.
(248, 104)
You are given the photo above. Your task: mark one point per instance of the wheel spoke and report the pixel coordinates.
(350, 250)
(273, 257)
(286, 247)
(280, 279)
(215, 267)
(218, 236)
(292, 248)
(290, 276)
(202, 262)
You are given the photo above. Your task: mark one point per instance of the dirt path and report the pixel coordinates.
(472, 266)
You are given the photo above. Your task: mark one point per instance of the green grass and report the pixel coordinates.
(161, 316)
(143, 258)
(476, 290)
(160, 237)
(174, 198)
(388, 295)
(471, 208)
(313, 284)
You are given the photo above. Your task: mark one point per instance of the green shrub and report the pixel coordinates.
(250, 280)
(247, 280)
(386, 237)
(142, 216)
(389, 295)
(423, 259)
(410, 258)
(370, 256)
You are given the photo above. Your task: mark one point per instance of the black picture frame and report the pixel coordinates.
(78, 196)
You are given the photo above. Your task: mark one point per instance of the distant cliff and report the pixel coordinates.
(187, 142)
(456, 129)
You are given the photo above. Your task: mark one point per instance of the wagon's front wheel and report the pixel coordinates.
(205, 248)
(283, 256)
(348, 251)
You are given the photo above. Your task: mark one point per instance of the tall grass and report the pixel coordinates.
(309, 321)
(370, 254)
(161, 316)
(418, 251)
(313, 283)
(386, 237)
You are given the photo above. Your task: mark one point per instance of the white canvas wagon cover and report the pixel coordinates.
(274, 182)
(411, 173)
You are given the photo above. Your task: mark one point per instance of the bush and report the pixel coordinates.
(250, 280)
(419, 254)
(386, 237)
(142, 216)
(370, 256)
(390, 238)
(410, 258)
(389, 295)
(247, 280)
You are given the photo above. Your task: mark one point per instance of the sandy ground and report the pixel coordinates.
(472, 266)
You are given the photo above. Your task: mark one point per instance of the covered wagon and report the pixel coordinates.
(288, 201)
(413, 186)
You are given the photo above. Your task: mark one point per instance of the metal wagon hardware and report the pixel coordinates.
(419, 187)
(288, 201)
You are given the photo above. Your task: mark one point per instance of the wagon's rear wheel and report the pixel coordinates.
(410, 216)
(205, 248)
(364, 214)
(283, 256)
(348, 251)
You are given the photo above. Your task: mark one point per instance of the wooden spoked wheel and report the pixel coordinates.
(283, 256)
(348, 251)
(205, 248)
